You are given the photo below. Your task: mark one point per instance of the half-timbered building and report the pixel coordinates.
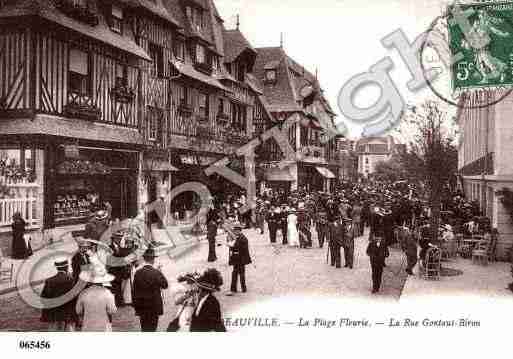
(297, 104)
(70, 127)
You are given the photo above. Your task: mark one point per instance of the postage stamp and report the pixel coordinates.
(483, 63)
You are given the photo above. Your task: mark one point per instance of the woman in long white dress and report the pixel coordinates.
(292, 233)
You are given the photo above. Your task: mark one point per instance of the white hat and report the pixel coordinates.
(96, 274)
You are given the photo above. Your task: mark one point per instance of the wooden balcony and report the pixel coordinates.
(82, 106)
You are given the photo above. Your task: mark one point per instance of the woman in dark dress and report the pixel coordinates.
(207, 316)
(20, 249)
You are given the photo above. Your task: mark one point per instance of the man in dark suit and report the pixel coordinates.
(349, 235)
(148, 284)
(63, 317)
(211, 238)
(377, 252)
(80, 259)
(207, 315)
(273, 219)
(119, 266)
(336, 238)
(282, 223)
(322, 227)
(239, 258)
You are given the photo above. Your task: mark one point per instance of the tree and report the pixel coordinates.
(391, 170)
(432, 157)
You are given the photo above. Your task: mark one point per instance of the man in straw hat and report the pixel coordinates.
(97, 225)
(61, 318)
(148, 285)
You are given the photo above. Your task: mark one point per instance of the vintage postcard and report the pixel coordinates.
(247, 166)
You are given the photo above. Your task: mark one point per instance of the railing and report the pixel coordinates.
(23, 201)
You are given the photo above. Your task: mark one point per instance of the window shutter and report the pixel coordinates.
(78, 62)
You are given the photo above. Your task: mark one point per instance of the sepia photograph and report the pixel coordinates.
(249, 166)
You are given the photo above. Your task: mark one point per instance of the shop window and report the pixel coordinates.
(79, 78)
(157, 55)
(17, 165)
(116, 19)
(155, 117)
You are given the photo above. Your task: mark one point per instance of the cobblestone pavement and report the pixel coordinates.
(277, 271)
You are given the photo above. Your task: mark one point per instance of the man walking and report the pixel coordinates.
(377, 252)
(349, 235)
(148, 285)
(63, 317)
(322, 228)
(336, 238)
(239, 258)
(273, 219)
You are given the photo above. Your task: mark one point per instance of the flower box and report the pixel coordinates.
(122, 94)
(83, 111)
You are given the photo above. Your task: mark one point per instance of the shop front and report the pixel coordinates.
(315, 178)
(84, 179)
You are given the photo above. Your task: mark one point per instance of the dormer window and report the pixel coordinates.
(195, 16)
(116, 19)
(270, 76)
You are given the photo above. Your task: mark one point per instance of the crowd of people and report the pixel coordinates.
(390, 213)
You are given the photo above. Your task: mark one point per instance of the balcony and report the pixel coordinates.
(82, 106)
(204, 67)
(78, 11)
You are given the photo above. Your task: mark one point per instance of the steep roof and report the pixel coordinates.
(155, 7)
(235, 44)
(281, 95)
(48, 10)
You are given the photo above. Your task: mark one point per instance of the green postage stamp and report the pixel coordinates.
(486, 48)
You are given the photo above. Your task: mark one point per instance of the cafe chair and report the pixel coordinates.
(481, 252)
(6, 271)
(433, 267)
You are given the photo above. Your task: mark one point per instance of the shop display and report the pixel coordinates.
(81, 167)
(75, 201)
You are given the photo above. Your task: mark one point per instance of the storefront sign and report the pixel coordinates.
(71, 151)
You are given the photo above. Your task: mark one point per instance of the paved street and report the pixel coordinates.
(277, 271)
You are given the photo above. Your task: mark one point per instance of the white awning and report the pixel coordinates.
(325, 172)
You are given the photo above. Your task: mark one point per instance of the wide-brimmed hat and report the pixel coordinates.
(210, 280)
(84, 243)
(101, 215)
(236, 225)
(97, 274)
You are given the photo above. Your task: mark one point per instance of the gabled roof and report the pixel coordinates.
(47, 10)
(235, 44)
(281, 95)
(155, 7)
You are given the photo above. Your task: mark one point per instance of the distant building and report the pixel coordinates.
(485, 163)
(372, 150)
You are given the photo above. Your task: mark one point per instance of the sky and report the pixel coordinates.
(340, 38)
